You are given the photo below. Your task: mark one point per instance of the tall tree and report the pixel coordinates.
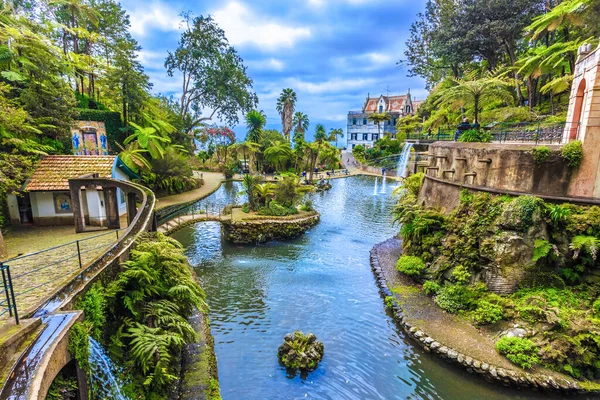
(300, 122)
(255, 122)
(213, 75)
(315, 148)
(285, 107)
(378, 118)
(334, 134)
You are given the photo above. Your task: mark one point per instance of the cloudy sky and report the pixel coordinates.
(331, 52)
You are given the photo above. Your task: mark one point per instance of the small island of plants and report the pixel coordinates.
(300, 352)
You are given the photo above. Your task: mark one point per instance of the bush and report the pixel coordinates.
(474, 135)
(487, 313)
(572, 152)
(540, 154)
(389, 301)
(277, 210)
(522, 352)
(461, 275)
(286, 192)
(431, 287)
(410, 265)
(454, 298)
(229, 170)
(307, 206)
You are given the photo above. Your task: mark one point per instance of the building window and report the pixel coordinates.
(364, 121)
(365, 136)
(354, 121)
(353, 136)
(375, 136)
(380, 109)
(394, 121)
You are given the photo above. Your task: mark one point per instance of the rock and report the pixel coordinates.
(435, 345)
(301, 352)
(452, 354)
(515, 332)
(485, 366)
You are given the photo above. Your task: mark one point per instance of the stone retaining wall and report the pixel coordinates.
(507, 377)
(259, 231)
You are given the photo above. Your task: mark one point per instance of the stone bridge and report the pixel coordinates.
(34, 352)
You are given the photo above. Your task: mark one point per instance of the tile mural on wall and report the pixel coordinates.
(89, 138)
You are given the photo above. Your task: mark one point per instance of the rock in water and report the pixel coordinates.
(301, 352)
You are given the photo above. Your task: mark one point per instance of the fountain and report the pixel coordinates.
(403, 160)
(383, 184)
(104, 381)
(375, 188)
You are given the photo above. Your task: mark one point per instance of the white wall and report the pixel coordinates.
(13, 209)
(120, 175)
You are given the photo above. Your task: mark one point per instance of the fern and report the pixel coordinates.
(541, 249)
(588, 244)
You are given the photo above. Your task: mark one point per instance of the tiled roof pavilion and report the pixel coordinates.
(54, 172)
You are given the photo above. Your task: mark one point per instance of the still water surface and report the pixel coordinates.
(322, 283)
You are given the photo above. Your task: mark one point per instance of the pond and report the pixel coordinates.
(322, 283)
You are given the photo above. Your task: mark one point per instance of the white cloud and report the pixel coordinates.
(242, 26)
(152, 59)
(269, 64)
(154, 16)
(330, 86)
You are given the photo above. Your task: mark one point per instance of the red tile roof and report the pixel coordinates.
(392, 103)
(54, 172)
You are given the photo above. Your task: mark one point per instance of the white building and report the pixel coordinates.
(360, 130)
(46, 200)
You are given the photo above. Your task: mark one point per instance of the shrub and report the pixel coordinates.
(461, 275)
(521, 213)
(277, 210)
(307, 206)
(522, 352)
(286, 192)
(474, 135)
(414, 182)
(246, 208)
(596, 306)
(410, 265)
(572, 152)
(540, 154)
(431, 287)
(454, 298)
(541, 248)
(389, 301)
(229, 170)
(487, 313)
(93, 305)
(558, 213)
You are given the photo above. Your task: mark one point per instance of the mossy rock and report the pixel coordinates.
(300, 352)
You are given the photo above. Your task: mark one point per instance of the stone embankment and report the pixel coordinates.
(449, 337)
(273, 228)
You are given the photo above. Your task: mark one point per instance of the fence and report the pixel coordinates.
(525, 132)
(29, 278)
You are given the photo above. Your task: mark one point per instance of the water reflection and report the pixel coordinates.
(320, 282)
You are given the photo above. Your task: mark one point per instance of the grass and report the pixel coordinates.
(239, 215)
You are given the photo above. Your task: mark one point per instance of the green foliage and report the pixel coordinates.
(150, 300)
(302, 352)
(522, 213)
(588, 245)
(93, 305)
(63, 388)
(14, 170)
(287, 192)
(466, 196)
(170, 174)
(389, 301)
(541, 249)
(572, 152)
(277, 210)
(474, 135)
(454, 298)
(79, 344)
(410, 265)
(307, 205)
(358, 152)
(558, 213)
(230, 169)
(540, 154)
(487, 313)
(413, 183)
(461, 275)
(522, 352)
(431, 287)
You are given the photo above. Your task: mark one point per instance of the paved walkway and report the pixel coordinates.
(212, 180)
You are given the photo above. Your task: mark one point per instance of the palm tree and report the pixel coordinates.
(475, 93)
(315, 148)
(148, 139)
(264, 191)
(249, 183)
(246, 147)
(301, 123)
(255, 122)
(378, 118)
(285, 107)
(334, 133)
(278, 153)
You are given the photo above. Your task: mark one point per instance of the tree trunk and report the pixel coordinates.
(512, 58)
(476, 108)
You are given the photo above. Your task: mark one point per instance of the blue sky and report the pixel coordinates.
(331, 52)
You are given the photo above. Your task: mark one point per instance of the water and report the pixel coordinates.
(320, 282)
(403, 159)
(103, 378)
(383, 184)
(375, 187)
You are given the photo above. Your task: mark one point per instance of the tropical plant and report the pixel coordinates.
(148, 139)
(572, 152)
(278, 153)
(249, 183)
(285, 107)
(300, 122)
(334, 134)
(264, 192)
(410, 265)
(378, 118)
(475, 93)
(255, 122)
(520, 351)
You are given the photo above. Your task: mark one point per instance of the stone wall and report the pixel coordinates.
(497, 168)
(258, 231)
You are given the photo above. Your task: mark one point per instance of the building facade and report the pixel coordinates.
(360, 130)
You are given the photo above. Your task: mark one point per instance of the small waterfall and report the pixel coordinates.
(383, 185)
(403, 160)
(375, 188)
(103, 378)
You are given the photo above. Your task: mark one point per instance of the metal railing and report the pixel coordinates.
(26, 278)
(524, 132)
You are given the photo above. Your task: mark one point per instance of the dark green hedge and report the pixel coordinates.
(112, 122)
